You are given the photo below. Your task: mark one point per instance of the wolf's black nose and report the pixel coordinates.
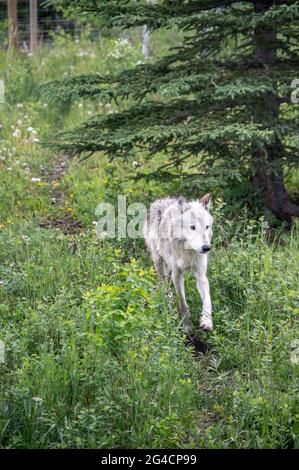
(206, 248)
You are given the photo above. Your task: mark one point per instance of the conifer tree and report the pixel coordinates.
(224, 95)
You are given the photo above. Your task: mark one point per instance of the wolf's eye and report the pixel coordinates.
(207, 226)
(192, 227)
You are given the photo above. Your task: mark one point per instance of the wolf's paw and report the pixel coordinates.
(206, 325)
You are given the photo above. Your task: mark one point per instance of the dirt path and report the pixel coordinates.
(66, 223)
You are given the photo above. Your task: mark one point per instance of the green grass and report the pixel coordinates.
(94, 352)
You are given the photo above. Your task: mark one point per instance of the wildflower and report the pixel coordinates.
(109, 108)
(35, 180)
(37, 399)
(295, 351)
(16, 133)
(123, 42)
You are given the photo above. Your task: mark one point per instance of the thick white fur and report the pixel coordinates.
(175, 232)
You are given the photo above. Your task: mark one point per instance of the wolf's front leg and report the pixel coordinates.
(206, 322)
(178, 281)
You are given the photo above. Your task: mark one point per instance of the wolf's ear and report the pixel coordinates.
(182, 200)
(206, 201)
(183, 203)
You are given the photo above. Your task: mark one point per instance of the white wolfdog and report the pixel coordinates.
(178, 234)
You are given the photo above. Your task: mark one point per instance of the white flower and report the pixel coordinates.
(16, 133)
(295, 351)
(19, 122)
(115, 55)
(37, 399)
(35, 180)
(123, 42)
(30, 129)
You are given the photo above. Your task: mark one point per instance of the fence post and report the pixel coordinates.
(12, 23)
(33, 25)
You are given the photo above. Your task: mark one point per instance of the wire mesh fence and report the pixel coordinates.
(48, 19)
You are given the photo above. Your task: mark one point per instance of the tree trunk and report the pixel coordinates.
(268, 159)
(146, 51)
(146, 37)
(269, 181)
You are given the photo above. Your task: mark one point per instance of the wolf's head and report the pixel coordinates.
(192, 223)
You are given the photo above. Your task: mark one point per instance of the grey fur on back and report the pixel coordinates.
(161, 246)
